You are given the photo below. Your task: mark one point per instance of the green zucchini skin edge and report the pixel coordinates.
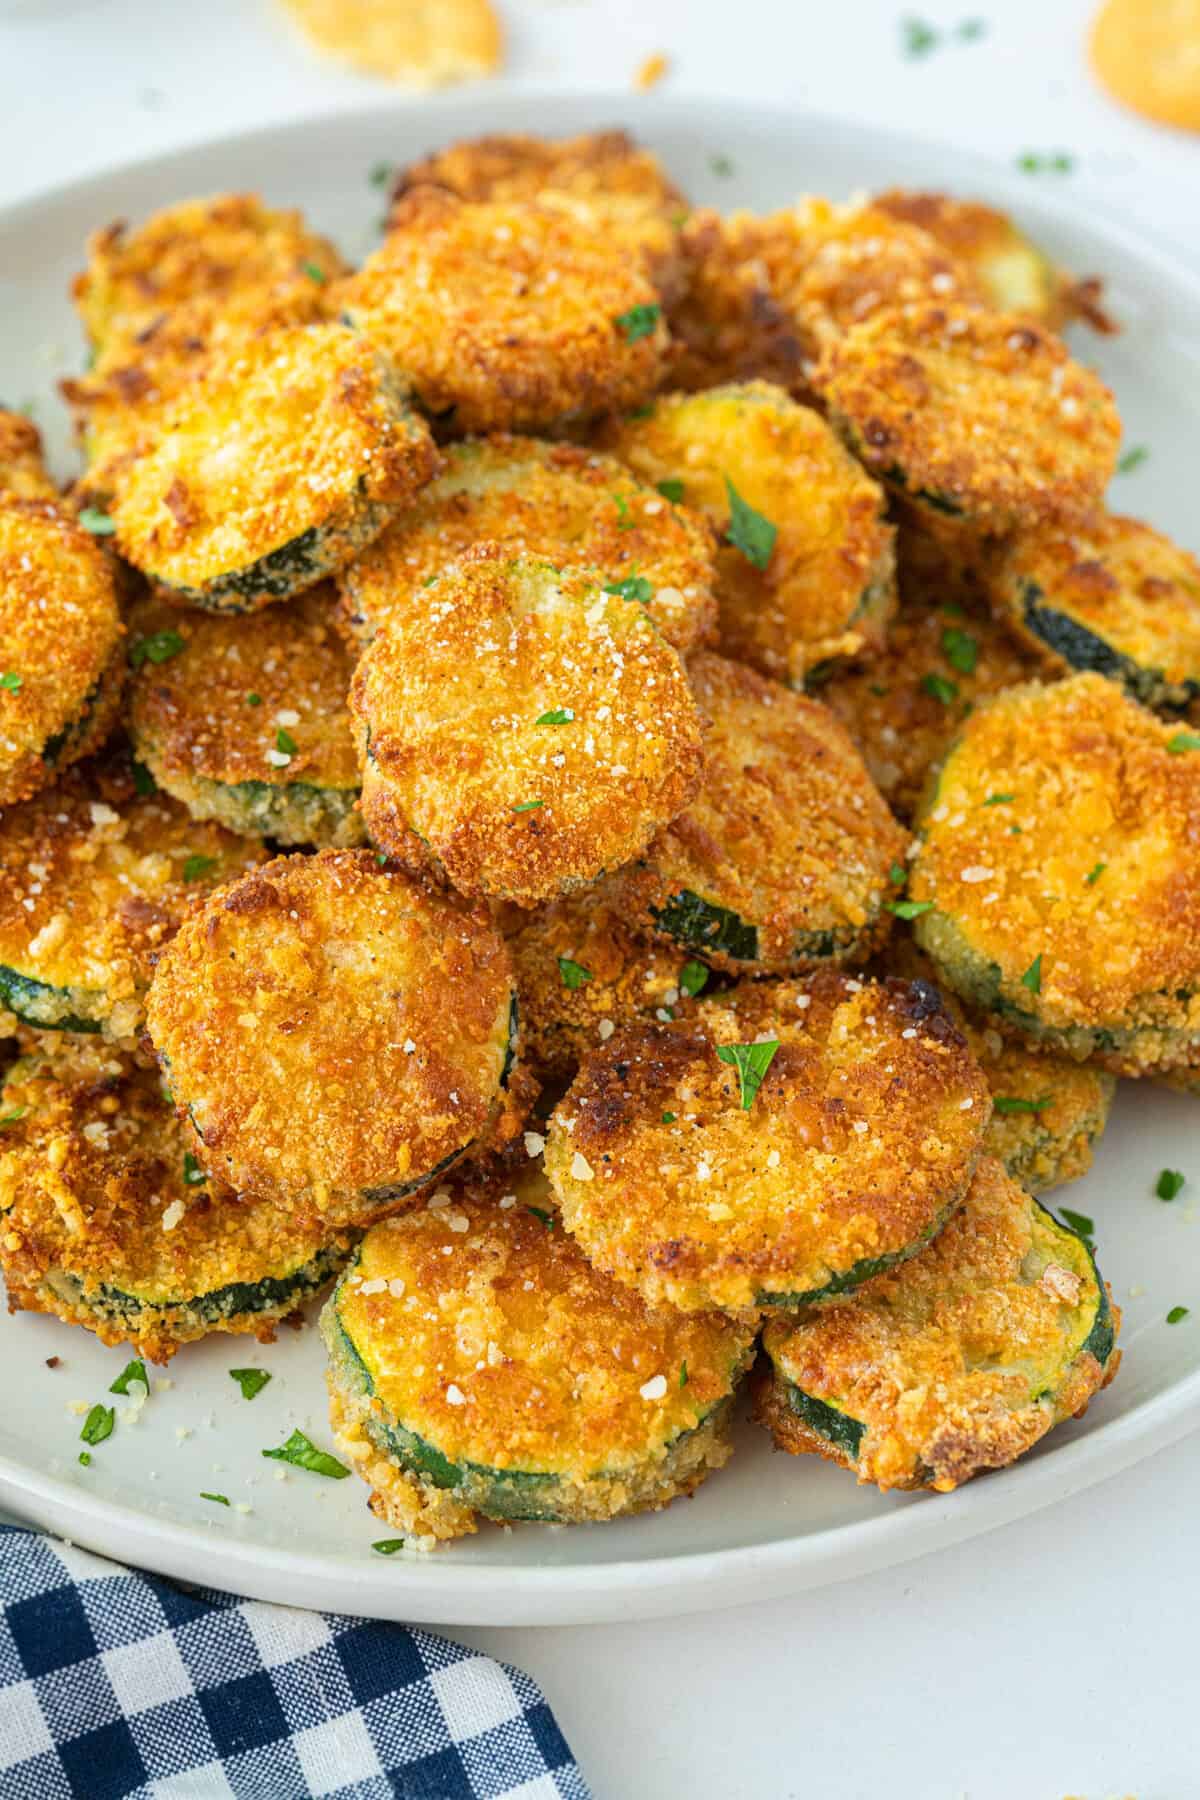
(1101, 1339)
(54, 746)
(701, 925)
(29, 999)
(238, 1299)
(837, 1428)
(863, 1270)
(1081, 648)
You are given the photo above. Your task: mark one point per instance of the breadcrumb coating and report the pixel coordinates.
(522, 729)
(329, 990)
(23, 472)
(508, 316)
(782, 860)
(852, 1153)
(959, 1361)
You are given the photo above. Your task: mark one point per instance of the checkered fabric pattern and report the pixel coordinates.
(117, 1685)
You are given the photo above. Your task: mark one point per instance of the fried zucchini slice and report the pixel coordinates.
(60, 635)
(808, 574)
(106, 1222)
(1058, 867)
(683, 1179)
(329, 989)
(545, 500)
(480, 1367)
(783, 860)
(272, 471)
(979, 418)
(905, 706)
(23, 473)
(1013, 273)
(95, 876)
(1112, 595)
(956, 1363)
(582, 968)
(246, 721)
(522, 729)
(602, 175)
(219, 252)
(508, 317)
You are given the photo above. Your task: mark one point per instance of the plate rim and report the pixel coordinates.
(427, 1588)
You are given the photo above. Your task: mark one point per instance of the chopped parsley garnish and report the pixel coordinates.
(196, 867)
(721, 165)
(896, 875)
(316, 273)
(908, 909)
(133, 1371)
(559, 715)
(157, 648)
(692, 978)
(99, 1424)
(573, 974)
(10, 1118)
(253, 699)
(381, 174)
(303, 1454)
(751, 1062)
(1176, 1313)
(642, 412)
(639, 321)
(1183, 740)
(85, 1458)
(220, 1499)
(960, 649)
(388, 1546)
(1133, 459)
(528, 806)
(285, 742)
(671, 489)
(97, 522)
(251, 1381)
(10, 682)
(1079, 1223)
(668, 1118)
(634, 587)
(1053, 162)
(683, 1375)
(748, 531)
(193, 1174)
(539, 1212)
(381, 857)
(1032, 978)
(625, 519)
(1093, 875)
(918, 38)
(939, 688)
(143, 780)
(1169, 1183)
(999, 799)
(1012, 1103)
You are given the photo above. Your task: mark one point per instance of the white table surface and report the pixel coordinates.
(1056, 1657)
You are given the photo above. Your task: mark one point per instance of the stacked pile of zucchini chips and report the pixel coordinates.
(607, 782)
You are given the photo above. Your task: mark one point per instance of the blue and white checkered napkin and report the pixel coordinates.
(117, 1685)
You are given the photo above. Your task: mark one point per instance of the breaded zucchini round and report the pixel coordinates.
(274, 470)
(330, 991)
(602, 173)
(245, 720)
(22, 471)
(977, 417)
(508, 317)
(1112, 595)
(479, 1366)
(904, 707)
(729, 324)
(522, 729)
(218, 251)
(106, 1221)
(783, 860)
(545, 500)
(956, 1363)
(60, 633)
(683, 1178)
(806, 571)
(1013, 273)
(95, 875)
(581, 969)
(1059, 870)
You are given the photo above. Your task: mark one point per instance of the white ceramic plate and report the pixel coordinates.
(767, 1523)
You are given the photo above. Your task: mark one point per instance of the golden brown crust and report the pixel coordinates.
(974, 414)
(957, 1362)
(338, 994)
(861, 1138)
(422, 43)
(104, 1224)
(827, 587)
(60, 635)
(903, 708)
(461, 772)
(545, 500)
(1099, 884)
(505, 316)
(787, 832)
(22, 468)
